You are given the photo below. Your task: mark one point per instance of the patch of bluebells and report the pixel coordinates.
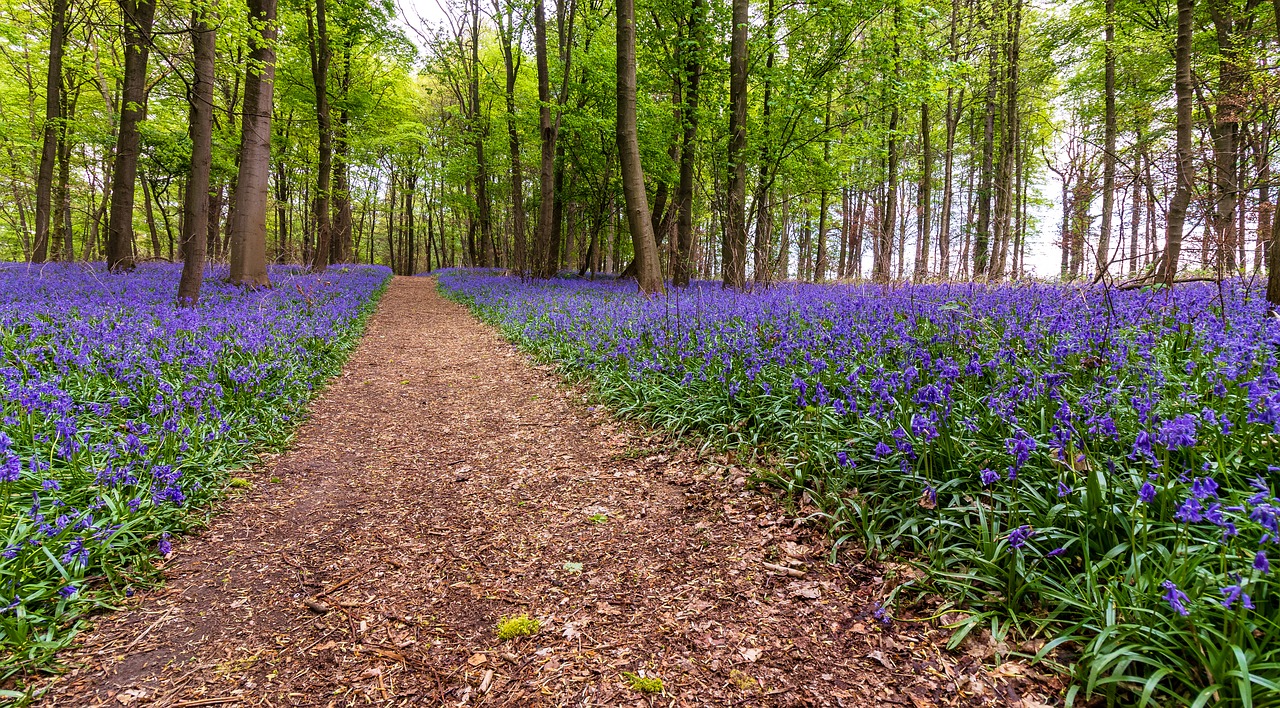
(1063, 418)
(120, 411)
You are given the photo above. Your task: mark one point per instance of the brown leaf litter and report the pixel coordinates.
(443, 483)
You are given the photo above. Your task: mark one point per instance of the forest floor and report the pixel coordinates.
(442, 483)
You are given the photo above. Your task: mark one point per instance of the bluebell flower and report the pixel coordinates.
(1235, 592)
(1018, 537)
(1176, 598)
(989, 477)
(1261, 563)
(1147, 493)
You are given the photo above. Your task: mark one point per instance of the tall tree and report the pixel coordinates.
(735, 239)
(1109, 142)
(249, 220)
(54, 127)
(195, 208)
(648, 274)
(321, 57)
(509, 34)
(138, 15)
(692, 68)
(1182, 88)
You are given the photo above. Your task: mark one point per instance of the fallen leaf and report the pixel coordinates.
(750, 654)
(477, 659)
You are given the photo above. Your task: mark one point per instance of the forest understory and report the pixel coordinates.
(443, 484)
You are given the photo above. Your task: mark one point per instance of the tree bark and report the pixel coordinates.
(735, 244)
(509, 54)
(195, 205)
(542, 266)
(638, 218)
(982, 238)
(924, 204)
(341, 239)
(683, 261)
(1177, 213)
(53, 128)
(318, 34)
(1109, 143)
(249, 221)
(139, 16)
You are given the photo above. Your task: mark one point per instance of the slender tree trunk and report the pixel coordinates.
(509, 38)
(318, 34)
(341, 230)
(638, 218)
(1225, 129)
(982, 238)
(61, 217)
(151, 216)
(1177, 214)
(924, 203)
(884, 251)
(138, 18)
(543, 267)
(249, 222)
(195, 204)
(692, 54)
(53, 128)
(1109, 144)
(735, 245)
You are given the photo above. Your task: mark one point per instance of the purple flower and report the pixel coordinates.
(1063, 489)
(1057, 551)
(882, 450)
(1190, 512)
(989, 477)
(1176, 598)
(1261, 563)
(882, 615)
(842, 458)
(67, 590)
(1147, 493)
(1235, 592)
(1179, 432)
(1018, 537)
(163, 546)
(1204, 488)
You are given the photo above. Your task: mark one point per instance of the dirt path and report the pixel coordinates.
(443, 483)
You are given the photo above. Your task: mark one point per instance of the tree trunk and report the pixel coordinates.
(542, 266)
(1225, 129)
(924, 203)
(195, 205)
(683, 261)
(53, 128)
(509, 37)
(249, 222)
(884, 239)
(318, 34)
(1177, 214)
(138, 18)
(638, 218)
(342, 237)
(982, 238)
(735, 244)
(1109, 144)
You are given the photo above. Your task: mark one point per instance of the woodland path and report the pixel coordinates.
(443, 482)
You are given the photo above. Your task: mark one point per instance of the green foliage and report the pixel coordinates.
(643, 684)
(518, 626)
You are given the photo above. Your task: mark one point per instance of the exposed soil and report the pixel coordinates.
(443, 483)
